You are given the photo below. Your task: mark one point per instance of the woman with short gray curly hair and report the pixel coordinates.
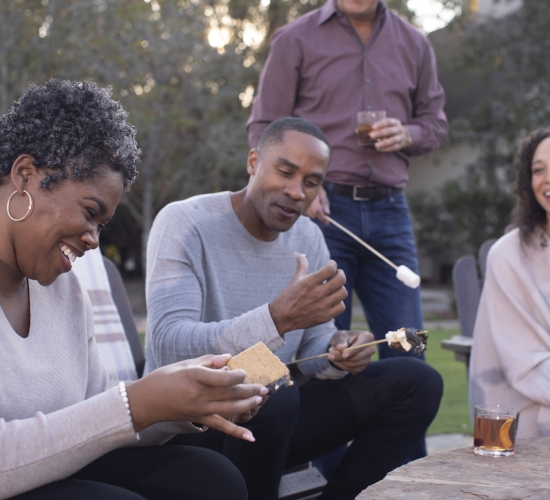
(66, 155)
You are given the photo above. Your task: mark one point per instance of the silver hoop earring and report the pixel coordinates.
(29, 210)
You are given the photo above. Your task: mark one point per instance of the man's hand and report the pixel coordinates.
(309, 299)
(320, 207)
(353, 361)
(391, 135)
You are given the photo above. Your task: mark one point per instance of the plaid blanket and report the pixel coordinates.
(111, 340)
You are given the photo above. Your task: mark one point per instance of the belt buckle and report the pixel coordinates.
(358, 198)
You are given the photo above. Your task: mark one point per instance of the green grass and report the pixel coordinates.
(454, 413)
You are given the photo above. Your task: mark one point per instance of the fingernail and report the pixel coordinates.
(259, 400)
(264, 390)
(249, 437)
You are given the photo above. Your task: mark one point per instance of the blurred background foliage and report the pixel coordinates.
(186, 70)
(496, 76)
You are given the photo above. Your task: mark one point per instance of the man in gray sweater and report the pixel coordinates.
(227, 270)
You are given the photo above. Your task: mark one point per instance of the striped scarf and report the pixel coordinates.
(111, 340)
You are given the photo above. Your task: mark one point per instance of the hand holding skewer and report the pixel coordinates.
(416, 339)
(342, 355)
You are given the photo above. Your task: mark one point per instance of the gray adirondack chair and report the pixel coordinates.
(467, 284)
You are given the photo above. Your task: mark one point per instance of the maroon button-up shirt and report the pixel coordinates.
(319, 69)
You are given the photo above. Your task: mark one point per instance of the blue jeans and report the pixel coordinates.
(384, 224)
(388, 304)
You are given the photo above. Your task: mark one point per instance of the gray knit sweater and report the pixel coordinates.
(56, 411)
(209, 283)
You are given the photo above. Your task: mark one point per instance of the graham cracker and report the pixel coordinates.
(260, 364)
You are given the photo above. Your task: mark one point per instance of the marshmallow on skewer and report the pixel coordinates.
(406, 339)
(398, 340)
(404, 274)
(403, 339)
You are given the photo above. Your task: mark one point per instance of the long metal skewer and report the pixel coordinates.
(360, 346)
(359, 240)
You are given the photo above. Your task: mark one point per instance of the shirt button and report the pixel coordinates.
(367, 80)
(368, 107)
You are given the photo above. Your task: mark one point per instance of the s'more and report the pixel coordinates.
(261, 367)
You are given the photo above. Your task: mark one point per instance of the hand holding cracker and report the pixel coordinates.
(195, 390)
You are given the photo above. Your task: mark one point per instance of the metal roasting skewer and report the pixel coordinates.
(359, 240)
(404, 274)
(360, 346)
(416, 342)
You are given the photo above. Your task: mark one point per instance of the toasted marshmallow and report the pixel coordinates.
(402, 338)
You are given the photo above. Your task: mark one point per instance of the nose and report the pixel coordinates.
(91, 238)
(294, 189)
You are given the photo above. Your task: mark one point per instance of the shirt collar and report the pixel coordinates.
(331, 8)
(327, 11)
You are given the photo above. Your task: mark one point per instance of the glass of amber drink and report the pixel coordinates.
(365, 121)
(495, 431)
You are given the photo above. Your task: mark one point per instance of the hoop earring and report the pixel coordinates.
(29, 210)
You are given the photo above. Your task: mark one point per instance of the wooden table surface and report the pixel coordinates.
(460, 474)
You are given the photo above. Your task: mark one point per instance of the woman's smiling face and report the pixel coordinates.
(64, 223)
(540, 171)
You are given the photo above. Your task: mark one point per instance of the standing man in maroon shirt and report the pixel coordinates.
(350, 56)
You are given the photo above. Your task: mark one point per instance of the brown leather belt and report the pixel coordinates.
(364, 193)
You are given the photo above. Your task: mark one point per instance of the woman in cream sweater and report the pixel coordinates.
(510, 362)
(66, 155)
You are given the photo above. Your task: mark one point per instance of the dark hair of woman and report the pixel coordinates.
(71, 129)
(528, 215)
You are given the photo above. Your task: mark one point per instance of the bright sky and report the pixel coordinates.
(431, 14)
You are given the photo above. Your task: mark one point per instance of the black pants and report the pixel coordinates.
(384, 410)
(155, 473)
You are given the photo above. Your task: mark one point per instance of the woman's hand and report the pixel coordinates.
(195, 390)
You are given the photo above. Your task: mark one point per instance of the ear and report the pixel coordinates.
(253, 161)
(23, 173)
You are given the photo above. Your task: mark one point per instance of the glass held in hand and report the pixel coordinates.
(365, 121)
